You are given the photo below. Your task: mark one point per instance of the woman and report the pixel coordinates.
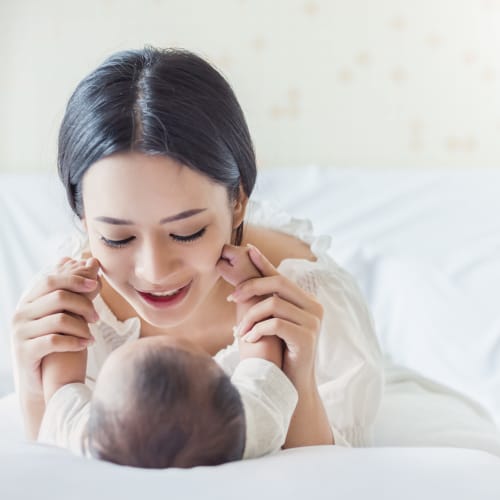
(158, 165)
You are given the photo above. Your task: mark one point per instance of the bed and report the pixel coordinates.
(424, 246)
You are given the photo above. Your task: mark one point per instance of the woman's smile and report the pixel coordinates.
(165, 299)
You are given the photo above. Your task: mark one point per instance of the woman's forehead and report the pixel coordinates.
(156, 181)
(137, 168)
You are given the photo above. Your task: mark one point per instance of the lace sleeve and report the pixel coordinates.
(349, 369)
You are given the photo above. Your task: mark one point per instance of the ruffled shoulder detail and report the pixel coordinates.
(129, 328)
(271, 216)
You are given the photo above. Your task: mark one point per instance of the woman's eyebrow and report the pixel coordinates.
(171, 218)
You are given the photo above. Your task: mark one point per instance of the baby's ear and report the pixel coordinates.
(239, 207)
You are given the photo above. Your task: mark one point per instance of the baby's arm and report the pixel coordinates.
(236, 267)
(62, 368)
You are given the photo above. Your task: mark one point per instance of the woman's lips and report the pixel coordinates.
(167, 300)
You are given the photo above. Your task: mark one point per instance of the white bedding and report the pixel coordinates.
(425, 248)
(304, 473)
(322, 472)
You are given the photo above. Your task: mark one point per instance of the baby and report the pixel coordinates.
(161, 401)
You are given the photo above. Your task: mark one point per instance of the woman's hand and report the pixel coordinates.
(295, 316)
(287, 312)
(53, 317)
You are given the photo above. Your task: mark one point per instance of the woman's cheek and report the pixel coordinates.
(111, 261)
(209, 254)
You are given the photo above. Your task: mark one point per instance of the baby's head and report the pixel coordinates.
(162, 402)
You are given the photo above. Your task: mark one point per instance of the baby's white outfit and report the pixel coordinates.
(349, 364)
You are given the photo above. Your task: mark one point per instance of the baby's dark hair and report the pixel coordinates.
(182, 411)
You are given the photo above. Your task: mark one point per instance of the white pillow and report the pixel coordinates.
(34, 218)
(441, 319)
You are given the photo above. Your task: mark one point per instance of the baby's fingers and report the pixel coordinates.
(235, 265)
(226, 270)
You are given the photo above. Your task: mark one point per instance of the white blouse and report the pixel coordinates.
(349, 364)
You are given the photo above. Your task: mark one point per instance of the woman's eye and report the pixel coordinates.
(190, 237)
(176, 237)
(116, 243)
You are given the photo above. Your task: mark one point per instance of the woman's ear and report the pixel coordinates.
(239, 208)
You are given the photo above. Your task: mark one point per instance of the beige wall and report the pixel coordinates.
(339, 82)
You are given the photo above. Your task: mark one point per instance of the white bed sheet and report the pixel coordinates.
(318, 472)
(36, 471)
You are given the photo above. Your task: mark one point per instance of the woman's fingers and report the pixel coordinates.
(293, 335)
(277, 284)
(59, 323)
(275, 307)
(60, 301)
(54, 282)
(261, 262)
(54, 316)
(48, 344)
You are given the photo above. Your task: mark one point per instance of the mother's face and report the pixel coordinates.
(157, 228)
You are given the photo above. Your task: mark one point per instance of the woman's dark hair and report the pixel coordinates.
(167, 102)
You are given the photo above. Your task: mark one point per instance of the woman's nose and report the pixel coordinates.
(156, 262)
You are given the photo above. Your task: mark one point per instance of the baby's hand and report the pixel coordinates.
(235, 265)
(85, 268)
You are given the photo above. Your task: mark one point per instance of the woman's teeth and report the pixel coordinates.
(165, 294)
(165, 299)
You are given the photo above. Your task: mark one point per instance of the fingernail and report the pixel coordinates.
(257, 252)
(88, 262)
(249, 338)
(95, 316)
(230, 298)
